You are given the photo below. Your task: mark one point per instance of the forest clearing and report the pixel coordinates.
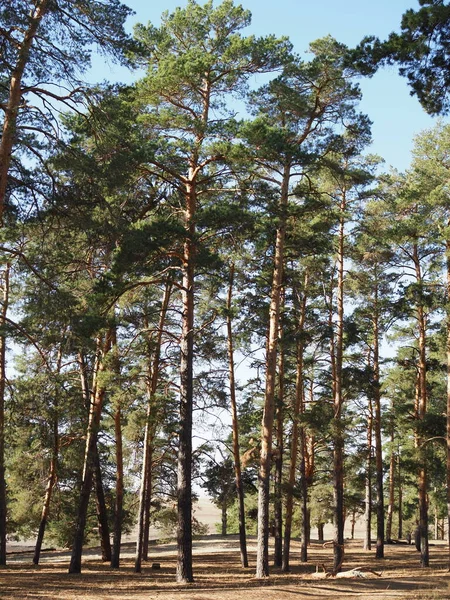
(219, 575)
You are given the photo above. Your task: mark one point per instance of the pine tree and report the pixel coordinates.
(35, 38)
(195, 60)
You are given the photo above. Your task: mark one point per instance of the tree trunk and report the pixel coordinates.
(390, 509)
(146, 477)
(379, 553)
(448, 397)
(320, 532)
(95, 411)
(102, 514)
(304, 471)
(148, 490)
(338, 442)
(368, 495)
(262, 559)
(353, 523)
(304, 496)
(184, 479)
(46, 508)
(3, 312)
(118, 513)
(51, 480)
(422, 409)
(224, 521)
(100, 503)
(400, 496)
(235, 427)
(15, 100)
(297, 410)
(278, 471)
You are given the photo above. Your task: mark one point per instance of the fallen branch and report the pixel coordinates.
(336, 570)
(356, 573)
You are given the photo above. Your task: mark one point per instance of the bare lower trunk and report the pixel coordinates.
(278, 471)
(224, 520)
(368, 495)
(400, 496)
(448, 398)
(338, 479)
(103, 347)
(423, 519)
(50, 483)
(390, 509)
(235, 427)
(422, 410)
(146, 477)
(338, 441)
(262, 559)
(297, 410)
(304, 495)
(102, 515)
(353, 523)
(118, 512)
(379, 553)
(3, 313)
(184, 478)
(100, 503)
(147, 506)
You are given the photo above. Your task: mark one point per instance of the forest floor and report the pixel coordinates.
(218, 575)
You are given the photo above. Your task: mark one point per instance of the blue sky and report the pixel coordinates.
(397, 117)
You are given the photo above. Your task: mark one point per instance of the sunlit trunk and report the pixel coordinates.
(118, 512)
(278, 471)
(368, 490)
(297, 410)
(102, 513)
(4, 290)
(235, 426)
(422, 409)
(95, 412)
(51, 480)
(262, 559)
(338, 441)
(448, 397)
(146, 476)
(378, 442)
(184, 477)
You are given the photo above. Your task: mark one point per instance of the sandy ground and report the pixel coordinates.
(219, 576)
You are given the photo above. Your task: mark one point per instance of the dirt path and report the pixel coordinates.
(218, 576)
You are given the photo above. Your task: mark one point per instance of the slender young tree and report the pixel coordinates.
(118, 512)
(345, 184)
(278, 474)
(297, 435)
(372, 283)
(430, 170)
(53, 471)
(235, 424)
(104, 343)
(5, 293)
(153, 376)
(419, 258)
